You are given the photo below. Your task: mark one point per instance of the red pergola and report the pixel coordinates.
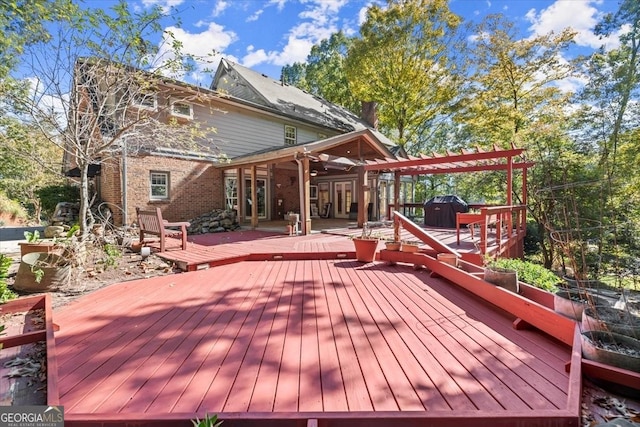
(465, 161)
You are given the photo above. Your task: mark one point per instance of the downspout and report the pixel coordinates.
(124, 182)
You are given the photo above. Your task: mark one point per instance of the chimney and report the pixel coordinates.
(369, 113)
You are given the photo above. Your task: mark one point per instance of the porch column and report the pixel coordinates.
(254, 198)
(305, 209)
(396, 204)
(240, 190)
(363, 196)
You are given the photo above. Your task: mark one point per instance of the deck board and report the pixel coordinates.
(308, 336)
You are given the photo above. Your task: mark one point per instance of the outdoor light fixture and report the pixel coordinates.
(313, 173)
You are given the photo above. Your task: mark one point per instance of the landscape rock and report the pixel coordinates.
(216, 221)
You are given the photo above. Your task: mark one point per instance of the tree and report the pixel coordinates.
(514, 79)
(324, 74)
(514, 98)
(623, 63)
(87, 98)
(27, 163)
(402, 61)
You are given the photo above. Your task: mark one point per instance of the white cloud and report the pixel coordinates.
(581, 16)
(164, 4)
(319, 21)
(220, 7)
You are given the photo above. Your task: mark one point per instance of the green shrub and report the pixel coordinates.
(531, 273)
(51, 195)
(5, 293)
(12, 208)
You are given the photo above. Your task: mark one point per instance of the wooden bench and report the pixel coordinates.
(151, 222)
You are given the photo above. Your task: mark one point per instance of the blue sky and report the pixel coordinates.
(268, 34)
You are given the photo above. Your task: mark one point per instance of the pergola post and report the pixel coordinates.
(396, 204)
(509, 180)
(240, 194)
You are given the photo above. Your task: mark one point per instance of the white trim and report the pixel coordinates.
(136, 101)
(178, 114)
(166, 185)
(290, 141)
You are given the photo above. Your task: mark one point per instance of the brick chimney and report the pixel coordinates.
(369, 113)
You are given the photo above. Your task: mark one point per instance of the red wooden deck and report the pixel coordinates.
(210, 250)
(307, 342)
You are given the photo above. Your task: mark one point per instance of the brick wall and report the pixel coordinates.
(195, 187)
(286, 188)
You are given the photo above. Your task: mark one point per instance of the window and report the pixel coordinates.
(290, 135)
(145, 100)
(182, 109)
(159, 185)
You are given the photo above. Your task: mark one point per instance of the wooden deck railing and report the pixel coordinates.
(501, 230)
(510, 225)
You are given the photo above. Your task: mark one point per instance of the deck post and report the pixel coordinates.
(254, 197)
(396, 204)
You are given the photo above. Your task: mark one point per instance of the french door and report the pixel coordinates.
(261, 190)
(342, 197)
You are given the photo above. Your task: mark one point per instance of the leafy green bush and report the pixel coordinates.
(531, 273)
(51, 195)
(11, 208)
(5, 293)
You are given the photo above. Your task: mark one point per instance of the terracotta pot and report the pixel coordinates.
(42, 247)
(392, 246)
(365, 249)
(503, 277)
(409, 247)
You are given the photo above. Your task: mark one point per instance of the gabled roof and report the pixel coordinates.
(377, 147)
(243, 83)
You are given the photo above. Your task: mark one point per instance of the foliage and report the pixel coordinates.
(530, 273)
(11, 208)
(32, 237)
(113, 253)
(109, 61)
(207, 421)
(28, 162)
(51, 195)
(24, 22)
(402, 61)
(324, 72)
(5, 293)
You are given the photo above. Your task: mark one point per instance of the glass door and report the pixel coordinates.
(262, 198)
(342, 199)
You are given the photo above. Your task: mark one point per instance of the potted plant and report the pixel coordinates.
(500, 276)
(366, 245)
(42, 271)
(392, 245)
(35, 244)
(409, 246)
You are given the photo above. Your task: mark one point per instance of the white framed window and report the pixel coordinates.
(182, 109)
(145, 101)
(290, 135)
(231, 192)
(159, 185)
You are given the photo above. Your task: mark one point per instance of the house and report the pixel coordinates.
(278, 149)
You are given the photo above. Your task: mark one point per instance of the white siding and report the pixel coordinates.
(240, 132)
